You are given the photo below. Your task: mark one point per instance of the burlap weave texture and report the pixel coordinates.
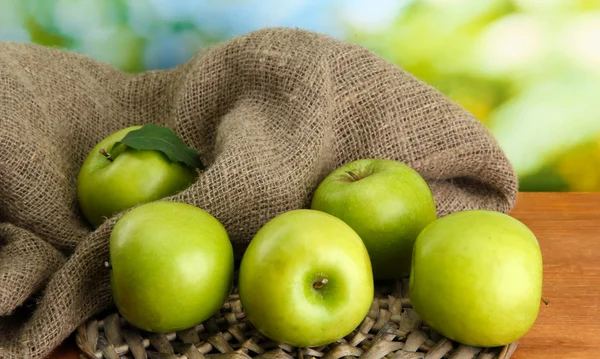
(271, 113)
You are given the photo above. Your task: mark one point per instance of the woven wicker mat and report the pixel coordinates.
(391, 330)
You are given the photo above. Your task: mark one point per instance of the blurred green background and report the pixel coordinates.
(528, 69)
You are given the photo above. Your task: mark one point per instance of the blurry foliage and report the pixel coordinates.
(580, 166)
(528, 69)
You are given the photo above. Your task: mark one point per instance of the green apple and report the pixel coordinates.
(386, 202)
(306, 279)
(476, 277)
(171, 266)
(107, 186)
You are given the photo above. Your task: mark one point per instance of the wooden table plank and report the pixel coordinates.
(567, 226)
(67, 350)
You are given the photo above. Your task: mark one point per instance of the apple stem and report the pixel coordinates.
(353, 175)
(545, 300)
(320, 283)
(105, 154)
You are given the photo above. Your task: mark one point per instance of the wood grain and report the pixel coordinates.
(567, 226)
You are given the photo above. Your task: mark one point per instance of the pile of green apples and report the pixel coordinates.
(307, 277)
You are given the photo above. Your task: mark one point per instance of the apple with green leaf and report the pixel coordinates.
(305, 279)
(171, 266)
(135, 165)
(386, 202)
(476, 277)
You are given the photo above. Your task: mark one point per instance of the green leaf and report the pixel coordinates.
(153, 137)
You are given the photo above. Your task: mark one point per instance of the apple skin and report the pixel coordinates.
(105, 188)
(476, 277)
(171, 266)
(280, 267)
(388, 207)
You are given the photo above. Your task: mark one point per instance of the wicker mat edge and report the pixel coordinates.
(391, 330)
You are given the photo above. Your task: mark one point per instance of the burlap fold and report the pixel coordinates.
(271, 113)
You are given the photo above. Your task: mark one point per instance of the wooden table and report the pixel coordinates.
(567, 226)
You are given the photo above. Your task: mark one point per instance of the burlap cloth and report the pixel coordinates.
(271, 113)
